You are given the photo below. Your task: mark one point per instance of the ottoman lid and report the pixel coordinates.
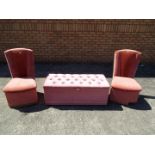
(125, 83)
(76, 80)
(19, 84)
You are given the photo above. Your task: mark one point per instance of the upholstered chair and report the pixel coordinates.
(21, 89)
(124, 88)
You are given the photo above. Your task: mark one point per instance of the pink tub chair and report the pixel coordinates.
(21, 89)
(124, 88)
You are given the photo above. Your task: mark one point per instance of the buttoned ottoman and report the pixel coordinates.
(76, 89)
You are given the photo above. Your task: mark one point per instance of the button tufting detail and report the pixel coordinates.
(77, 80)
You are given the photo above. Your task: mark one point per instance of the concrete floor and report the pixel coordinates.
(136, 118)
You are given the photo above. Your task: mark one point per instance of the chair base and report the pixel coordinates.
(22, 98)
(124, 96)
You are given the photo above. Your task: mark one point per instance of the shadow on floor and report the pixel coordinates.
(142, 104)
(36, 107)
(43, 69)
(109, 106)
(148, 96)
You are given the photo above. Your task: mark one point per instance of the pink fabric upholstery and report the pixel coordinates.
(123, 96)
(124, 89)
(19, 84)
(124, 83)
(20, 62)
(22, 98)
(76, 89)
(126, 62)
(21, 89)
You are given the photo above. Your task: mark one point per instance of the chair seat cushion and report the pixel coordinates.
(125, 83)
(19, 84)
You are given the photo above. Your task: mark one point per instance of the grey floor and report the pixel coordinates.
(113, 118)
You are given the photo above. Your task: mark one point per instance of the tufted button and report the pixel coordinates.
(77, 89)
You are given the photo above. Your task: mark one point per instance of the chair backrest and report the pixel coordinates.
(20, 62)
(126, 62)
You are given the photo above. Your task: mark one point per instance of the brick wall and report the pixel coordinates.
(78, 40)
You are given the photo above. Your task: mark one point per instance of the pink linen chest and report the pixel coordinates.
(76, 89)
